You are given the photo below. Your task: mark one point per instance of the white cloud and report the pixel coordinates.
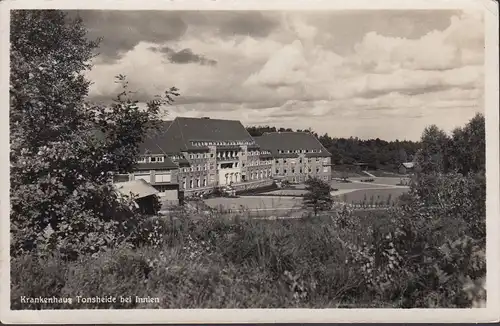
(293, 73)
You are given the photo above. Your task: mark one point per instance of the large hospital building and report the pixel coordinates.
(199, 154)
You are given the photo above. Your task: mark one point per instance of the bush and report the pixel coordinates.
(33, 276)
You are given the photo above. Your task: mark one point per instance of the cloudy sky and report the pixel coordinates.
(385, 74)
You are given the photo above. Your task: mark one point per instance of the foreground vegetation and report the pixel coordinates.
(72, 236)
(410, 256)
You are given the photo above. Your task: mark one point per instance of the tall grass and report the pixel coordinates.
(214, 262)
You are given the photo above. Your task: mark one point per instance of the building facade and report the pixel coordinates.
(296, 156)
(199, 154)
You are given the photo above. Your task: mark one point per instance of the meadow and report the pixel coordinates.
(322, 262)
(289, 201)
(389, 196)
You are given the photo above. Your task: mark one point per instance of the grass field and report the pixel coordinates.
(353, 185)
(390, 181)
(378, 195)
(255, 203)
(287, 192)
(277, 205)
(380, 173)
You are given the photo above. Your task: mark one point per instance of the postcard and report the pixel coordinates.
(248, 162)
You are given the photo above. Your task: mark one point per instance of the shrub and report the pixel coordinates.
(118, 272)
(34, 276)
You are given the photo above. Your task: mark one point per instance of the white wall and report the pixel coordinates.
(222, 175)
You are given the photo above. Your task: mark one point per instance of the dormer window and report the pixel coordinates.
(156, 159)
(141, 160)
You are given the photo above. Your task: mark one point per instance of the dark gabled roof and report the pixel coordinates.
(287, 155)
(275, 141)
(176, 136)
(228, 148)
(321, 154)
(167, 165)
(203, 129)
(159, 141)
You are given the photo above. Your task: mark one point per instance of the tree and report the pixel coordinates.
(432, 156)
(468, 147)
(62, 197)
(318, 196)
(403, 157)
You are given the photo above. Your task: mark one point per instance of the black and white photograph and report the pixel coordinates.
(222, 157)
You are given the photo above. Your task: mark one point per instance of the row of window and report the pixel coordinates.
(222, 143)
(194, 183)
(257, 163)
(309, 170)
(206, 155)
(193, 168)
(297, 151)
(222, 155)
(161, 159)
(263, 174)
(309, 160)
(151, 159)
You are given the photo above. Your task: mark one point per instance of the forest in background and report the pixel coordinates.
(380, 154)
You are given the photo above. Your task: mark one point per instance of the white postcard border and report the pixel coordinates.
(203, 316)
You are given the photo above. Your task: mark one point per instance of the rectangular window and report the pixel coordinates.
(277, 171)
(284, 171)
(152, 159)
(163, 178)
(277, 161)
(141, 160)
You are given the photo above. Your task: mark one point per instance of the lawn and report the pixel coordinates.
(255, 203)
(380, 173)
(352, 185)
(287, 192)
(358, 196)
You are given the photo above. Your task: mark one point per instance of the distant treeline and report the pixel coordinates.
(375, 152)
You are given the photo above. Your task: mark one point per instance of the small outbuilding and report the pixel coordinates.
(407, 167)
(144, 194)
